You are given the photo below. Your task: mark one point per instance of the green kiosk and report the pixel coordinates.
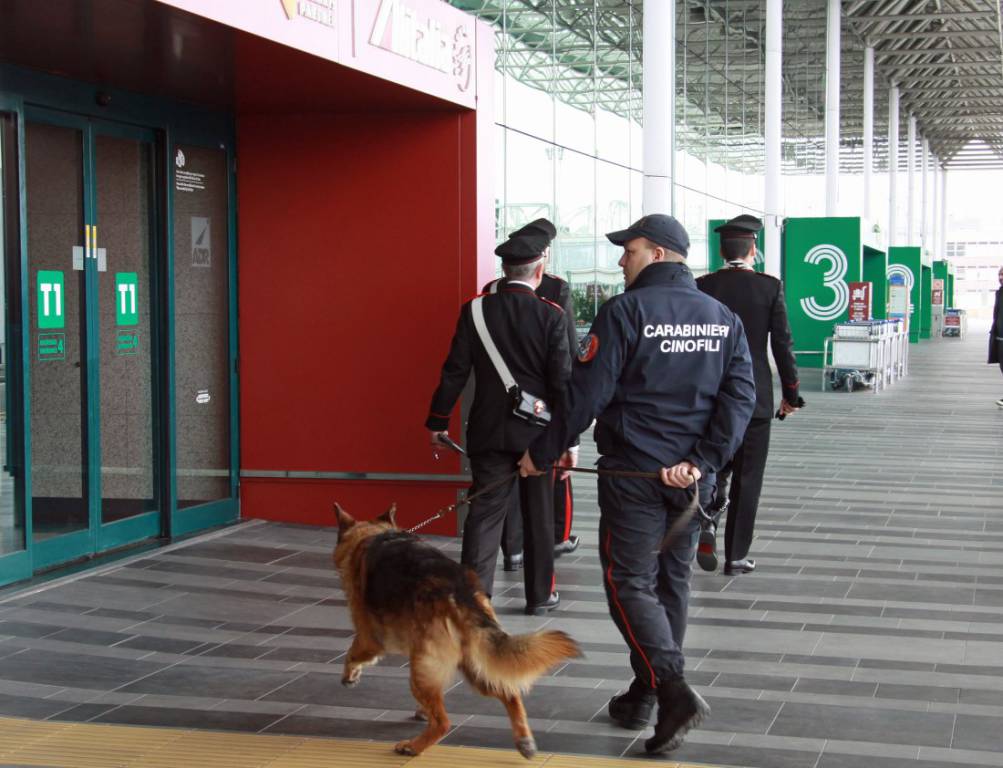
(907, 261)
(714, 261)
(821, 256)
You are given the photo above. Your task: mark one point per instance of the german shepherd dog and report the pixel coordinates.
(406, 596)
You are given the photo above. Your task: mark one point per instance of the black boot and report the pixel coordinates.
(632, 710)
(679, 709)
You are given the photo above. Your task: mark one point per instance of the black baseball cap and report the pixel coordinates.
(537, 227)
(523, 249)
(659, 228)
(742, 227)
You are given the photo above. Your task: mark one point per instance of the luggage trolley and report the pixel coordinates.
(860, 353)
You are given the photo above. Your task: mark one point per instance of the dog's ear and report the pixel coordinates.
(390, 516)
(345, 520)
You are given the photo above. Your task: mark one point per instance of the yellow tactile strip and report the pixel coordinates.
(86, 745)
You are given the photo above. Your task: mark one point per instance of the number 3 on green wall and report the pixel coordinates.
(832, 279)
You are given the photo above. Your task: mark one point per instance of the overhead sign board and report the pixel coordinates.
(426, 45)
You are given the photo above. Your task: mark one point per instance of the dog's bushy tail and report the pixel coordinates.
(510, 664)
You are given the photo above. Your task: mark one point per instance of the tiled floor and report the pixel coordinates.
(869, 636)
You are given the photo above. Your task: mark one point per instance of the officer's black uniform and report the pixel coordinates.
(557, 291)
(666, 370)
(530, 335)
(996, 334)
(758, 299)
(553, 289)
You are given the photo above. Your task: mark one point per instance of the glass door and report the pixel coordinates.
(94, 401)
(127, 335)
(14, 559)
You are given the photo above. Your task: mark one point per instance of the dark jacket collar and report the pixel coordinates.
(664, 273)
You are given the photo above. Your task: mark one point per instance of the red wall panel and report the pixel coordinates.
(312, 501)
(356, 249)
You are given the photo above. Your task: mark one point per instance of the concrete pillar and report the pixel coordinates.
(910, 159)
(773, 134)
(943, 213)
(868, 127)
(832, 71)
(893, 163)
(658, 65)
(924, 200)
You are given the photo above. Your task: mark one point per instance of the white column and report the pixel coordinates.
(943, 213)
(935, 218)
(773, 135)
(658, 105)
(924, 200)
(910, 159)
(868, 127)
(832, 38)
(893, 163)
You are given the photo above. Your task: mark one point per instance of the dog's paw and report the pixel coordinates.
(351, 679)
(404, 748)
(526, 747)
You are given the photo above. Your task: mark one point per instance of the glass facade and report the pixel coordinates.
(568, 108)
(569, 114)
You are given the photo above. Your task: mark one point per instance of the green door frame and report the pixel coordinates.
(99, 536)
(167, 124)
(17, 565)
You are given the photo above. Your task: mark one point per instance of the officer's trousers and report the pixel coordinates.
(747, 468)
(564, 503)
(647, 590)
(482, 530)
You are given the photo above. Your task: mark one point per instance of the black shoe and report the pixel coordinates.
(680, 708)
(632, 710)
(739, 566)
(512, 563)
(542, 608)
(567, 546)
(707, 549)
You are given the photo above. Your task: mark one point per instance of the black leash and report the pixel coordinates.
(465, 500)
(678, 524)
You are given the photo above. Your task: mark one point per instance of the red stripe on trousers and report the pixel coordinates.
(567, 509)
(623, 614)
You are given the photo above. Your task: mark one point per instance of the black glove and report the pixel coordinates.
(799, 404)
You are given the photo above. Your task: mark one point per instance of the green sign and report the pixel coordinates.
(876, 273)
(126, 288)
(821, 256)
(907, 261)
(714, 260)
(51, 299)
(51, 346)
(126, 343)
(926, 302)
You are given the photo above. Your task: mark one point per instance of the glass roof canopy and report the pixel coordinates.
(946, 57)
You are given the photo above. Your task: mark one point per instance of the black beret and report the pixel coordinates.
(537, 227)
(744, 226)
(659, 228)
(522, 249)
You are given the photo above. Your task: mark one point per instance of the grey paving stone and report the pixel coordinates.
(981, 733)
(835, 760)
(864, 724)
(838, 687)
(220, 683)
(73, 670)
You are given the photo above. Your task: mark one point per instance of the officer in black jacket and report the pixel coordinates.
(666, 371)
(530, 336)
(758, 299)
(996, 331)
(558, 291)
